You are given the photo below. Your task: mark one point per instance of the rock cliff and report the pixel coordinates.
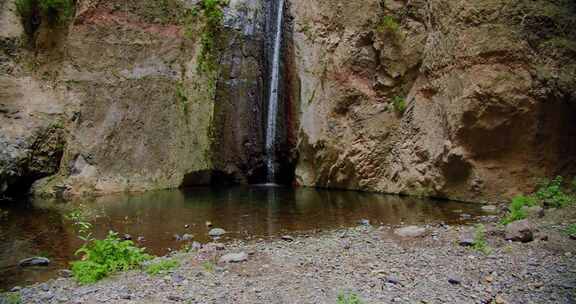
(466, 99)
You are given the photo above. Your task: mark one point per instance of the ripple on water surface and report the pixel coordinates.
(39, 228)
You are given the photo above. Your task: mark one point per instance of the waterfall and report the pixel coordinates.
(271, 128)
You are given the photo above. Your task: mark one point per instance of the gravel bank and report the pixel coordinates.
(372, 262)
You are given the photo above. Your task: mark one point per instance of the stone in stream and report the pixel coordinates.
(187, 237)
(216, 232)
(520, 231)
(410, 231)
(234, 258)
(35, 261)
(287, 238)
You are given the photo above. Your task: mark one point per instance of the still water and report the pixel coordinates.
(40, 228)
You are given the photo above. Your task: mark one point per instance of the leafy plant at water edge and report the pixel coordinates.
(103, 257)
(11, 298)
(571, 230)
(517, 211)
(161, 267)
(349, 299)
(551, 193)
(399, 104)
(480, 243)
(81, 224)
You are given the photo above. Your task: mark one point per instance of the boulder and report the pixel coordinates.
(35, 261)
(216, 232)
(467, 238)
(410, 231)
(234, 258)
(520, 231)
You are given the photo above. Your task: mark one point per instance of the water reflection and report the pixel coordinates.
(39, 227)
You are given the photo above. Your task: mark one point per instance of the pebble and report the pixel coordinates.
(216, 232)
(287, 238)
(454, 280)
(410, 231)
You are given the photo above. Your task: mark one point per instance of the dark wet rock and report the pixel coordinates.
(454, 280)
(44, 287)
(65, 273)
(410, 231)
(364, 222)
(234, 258)
(520, 231)
(186, 226)
(216, 232)
(35, 261)
(287, 238)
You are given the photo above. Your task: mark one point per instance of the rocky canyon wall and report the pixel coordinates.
(463, 99)
(113, 99)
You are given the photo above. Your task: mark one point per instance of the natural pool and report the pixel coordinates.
(40, 228)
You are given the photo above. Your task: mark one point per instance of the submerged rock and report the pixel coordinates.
(234, 258)
(35, 261)
(216, 232)
(410, 231)
(520, 231)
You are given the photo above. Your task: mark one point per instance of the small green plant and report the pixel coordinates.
(162, 267)
(551, 193)
(55, 11)
(388, 24)
(81, 224)
(571, 230)
(480, 243)
(350, 298)
(182, 97)
(11, 298)
(399, 104)
(103, 257)
(208, 266)
(517, 211)
(213, 14)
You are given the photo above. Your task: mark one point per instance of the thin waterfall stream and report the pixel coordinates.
(272, 121)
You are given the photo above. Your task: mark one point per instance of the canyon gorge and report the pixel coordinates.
(465, 100)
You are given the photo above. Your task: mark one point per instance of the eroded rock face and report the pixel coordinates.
(488, 107)
(114, 100)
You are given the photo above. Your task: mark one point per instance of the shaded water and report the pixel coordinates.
(40, 228)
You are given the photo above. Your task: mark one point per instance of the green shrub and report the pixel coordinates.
(517, 212)
(103, 257)
(56, 11)
(388, 24)
(213, 14)
(162, 267)
(571, 230)
(399, 104)
(11, 298)
(551, 193)
(349, 299)
(480, 243)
